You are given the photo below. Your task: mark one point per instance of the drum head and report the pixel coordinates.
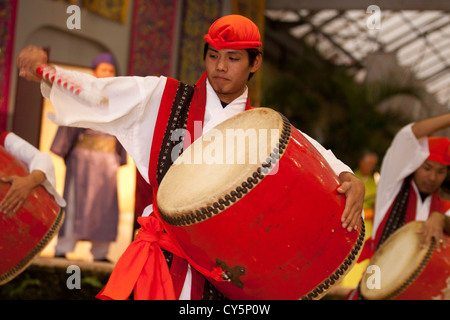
(399, 259)
(219, 161)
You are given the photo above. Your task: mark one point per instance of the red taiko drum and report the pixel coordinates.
(24, 234)
(255, 198)
(407, 272)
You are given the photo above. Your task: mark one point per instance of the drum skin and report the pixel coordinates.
(428, 278)
(24, 234)
(284, 238)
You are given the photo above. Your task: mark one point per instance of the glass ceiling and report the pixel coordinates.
(420, 39)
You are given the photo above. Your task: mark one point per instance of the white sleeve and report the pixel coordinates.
(403, 157)
(130, 115)
(405, 154)
(34, 160)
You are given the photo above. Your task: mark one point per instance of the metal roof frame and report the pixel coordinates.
(417, 32)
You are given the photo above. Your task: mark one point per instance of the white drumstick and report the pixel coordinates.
(50, 75)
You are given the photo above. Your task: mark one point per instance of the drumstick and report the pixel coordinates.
(49, 75)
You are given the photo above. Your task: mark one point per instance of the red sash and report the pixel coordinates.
(142, 267)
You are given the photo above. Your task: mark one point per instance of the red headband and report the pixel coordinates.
(439, 150)
(233, 32)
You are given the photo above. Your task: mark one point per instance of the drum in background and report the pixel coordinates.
(24, 234)
(408, 272)
(273, 226)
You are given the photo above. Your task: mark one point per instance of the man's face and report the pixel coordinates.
(228, 71)
(104, 70)
(367, 164)
(430, 176)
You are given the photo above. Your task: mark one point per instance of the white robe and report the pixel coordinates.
(131, 116)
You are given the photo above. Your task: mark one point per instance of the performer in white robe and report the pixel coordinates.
(413, 170)
(140, 112)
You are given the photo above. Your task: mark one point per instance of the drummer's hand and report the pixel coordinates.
(433, 227)
(354, 191)
(27, 59)
(19, 191)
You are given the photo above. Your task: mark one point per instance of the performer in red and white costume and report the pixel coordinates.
(41, 170)
(142, 113)
(413, 169)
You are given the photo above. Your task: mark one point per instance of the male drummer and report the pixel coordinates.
(142, 111)
(413, 170)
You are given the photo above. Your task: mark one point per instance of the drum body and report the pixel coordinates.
(275, 230)
(406, 271)
(24, 234)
